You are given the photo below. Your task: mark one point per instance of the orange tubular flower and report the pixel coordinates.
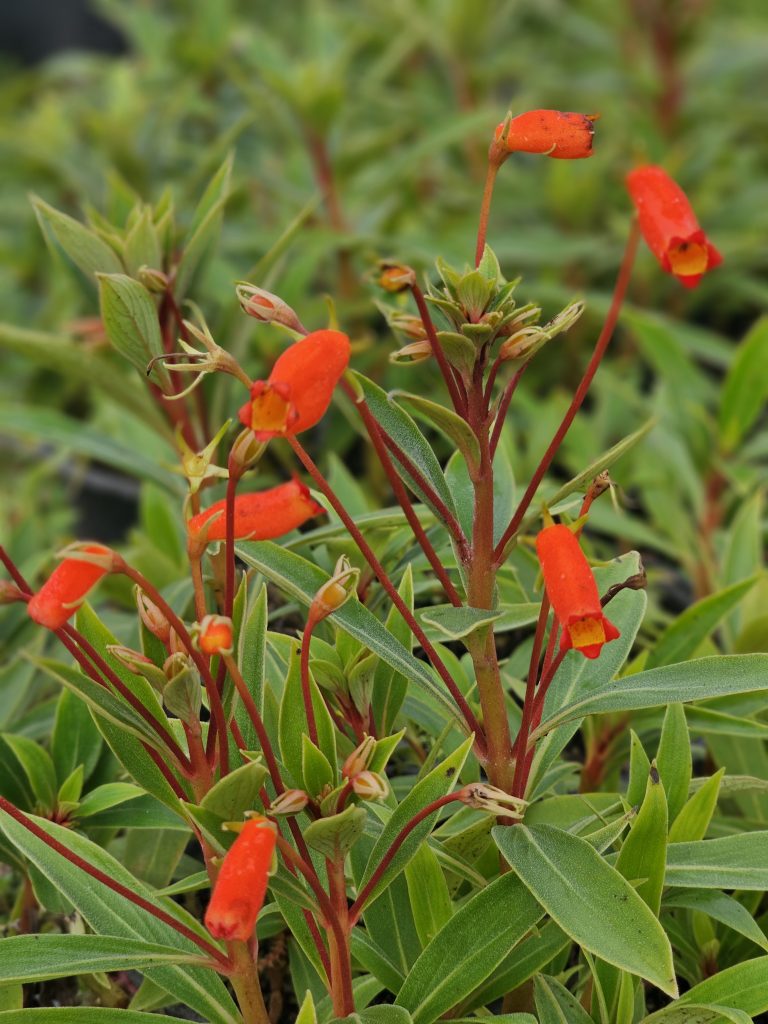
(561, 135)
(242, 883)
(572, 591)
(66, 588)
(262, 515)
(215, 635)
(299, 389)
(669, 226)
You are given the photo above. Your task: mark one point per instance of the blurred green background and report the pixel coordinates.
(359, 130)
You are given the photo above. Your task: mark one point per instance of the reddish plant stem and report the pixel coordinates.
(229, 527)
(520, 777)
(306, 687)
(501, 414)
(14, 573)
(90, 652)
(428, 493)
(601, 345)
(198, 586)
(257, 721)
(93, 674)
(341, 960)
(485, 210)
(446, 369)
(358, 906)
(217, 710)
(208, 948)
(469, 717)
(375, 434)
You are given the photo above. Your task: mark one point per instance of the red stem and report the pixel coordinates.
(501, 414)
(601, 345)
(362, 898)
(485, 210)
(469, 717)
(306, 688)
(115, 886)
(446, 369)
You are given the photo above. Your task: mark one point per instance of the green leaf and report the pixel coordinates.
(467, 950)
(697, 1013)
(79, 1015)
(695, 680)
(674, 758)
(40, 957)
(111, 794)
(745, 388)
(719, 907)
(390, 687)
(335, 836)
(589, 900)
(109, 913)
(237, 792)
(11, 997)
(732, 862)
(83, 246)
(428, 891)
(301, 579)
(293, 721)
(555, 1004)
(437, 783)
(130, 320)
(75, 739)
(742, 987)
(639, 767)
(693, 820)
(402, 429)
(642, 857)
(38, 767)
(690, 629)
(446, 421)
(454, 623)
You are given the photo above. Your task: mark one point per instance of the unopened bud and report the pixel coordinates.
(267, 308)
(153, 279)
(213, 635)
(338, 589)
(175, 644)
(483, 797)
(292, 801)
(245, 453)
(359, 759)
(152, 617)
(9, 592)
(370, 786)
(416, 352)
(177, 663)
(601, 483)
(139, 664)
(409, 325)
(396, 277)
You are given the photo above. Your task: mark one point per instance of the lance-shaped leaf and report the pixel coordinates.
(741, 987)
(84, 247)
(732, 862)
(642, 857)
(446, 421)
(590, 900)
(130, 320)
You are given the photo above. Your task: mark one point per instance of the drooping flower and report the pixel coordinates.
(572, 592)
(67, 587)
(669, 225)
(556, 133)
(299, 389)
(261, 515)
(240, 889)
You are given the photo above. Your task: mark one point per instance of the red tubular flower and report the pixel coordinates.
(572, 591)
(66, 588)
(299, 388)
(242, 883)
(556, 133)
(670, 227)
(262, 515)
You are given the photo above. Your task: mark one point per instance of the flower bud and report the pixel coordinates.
(483, 797)
(245, 453)
(175, 664)
(153, 279)
(416, 352)
(396, 277)
(370, 786)
(555, 133)
(336, 591)
(9, 592)
(292, 801)
(267, 308)
(359, 759)
(153, 618)
(139, 664)
(213, 635)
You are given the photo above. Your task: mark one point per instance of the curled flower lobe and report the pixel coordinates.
(572, 592)
(556, 133)
(261, 515)
(299, 389)
(669, 225)
(66, 588)
(239, 893)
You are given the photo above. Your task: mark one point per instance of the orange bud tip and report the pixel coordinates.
(214, 635)
(555, 133)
